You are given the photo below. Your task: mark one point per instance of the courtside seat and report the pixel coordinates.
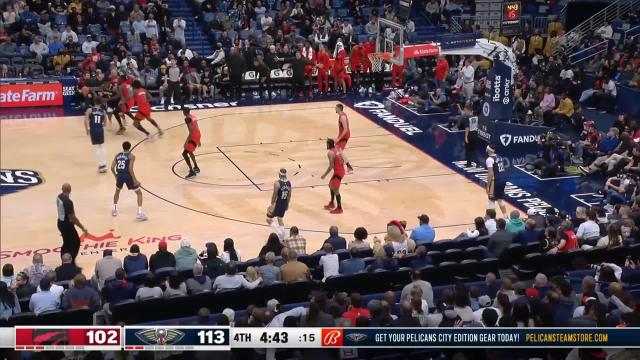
(235, 299)
(511, 256)
(428, 272)
(529, 267)
(486, 266)
(127, 311)
(297, 291)
(406, 260)
(274, 291)
(464, 244)
(153, 309)
(482, 240)
(52, 317)
(23, 318)
(137, 277)
(242, 266)
(468, 270)
(186, 274)
(366, 252)
(446, 273)
(369, 260)
(456, 255)
(444, 244)
(475, 253)
(311, 260)
(343, 254)
(533, 247)
(338, 283)
(436, 256)
(401, 277)
(161, 274)
(83, 316)
(596, 255)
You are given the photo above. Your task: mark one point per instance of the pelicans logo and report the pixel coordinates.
(158, 336)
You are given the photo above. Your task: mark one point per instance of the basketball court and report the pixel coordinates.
(242, 150)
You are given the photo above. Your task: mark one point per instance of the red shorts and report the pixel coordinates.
(343, 142)
(192, 144)
(143, 114)
(335, 181)
(125, 108)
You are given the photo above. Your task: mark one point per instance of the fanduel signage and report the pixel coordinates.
(380, 112)
(507, 136)
(499, 93)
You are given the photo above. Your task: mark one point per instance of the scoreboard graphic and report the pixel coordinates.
(511, 12)
(222, 338)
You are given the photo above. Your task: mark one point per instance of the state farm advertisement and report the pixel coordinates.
(28, 95)
(421, 50)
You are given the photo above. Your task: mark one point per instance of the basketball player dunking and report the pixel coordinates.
(122, 169)
(280, 200)
(336, 164)
(141, 97)
(344, 133)
(192, 142)
(495, 180)
(94, 126)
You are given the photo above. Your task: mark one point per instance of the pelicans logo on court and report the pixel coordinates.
(12, 180)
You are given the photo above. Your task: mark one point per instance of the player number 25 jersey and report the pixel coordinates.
(122, 163)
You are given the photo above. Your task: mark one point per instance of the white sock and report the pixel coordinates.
(102, 160)
(139, 209)
(115, 206)
(98, 158)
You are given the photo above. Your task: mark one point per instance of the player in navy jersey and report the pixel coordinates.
(122, 169)
(279, 202)
(94, 126)
(495, 180)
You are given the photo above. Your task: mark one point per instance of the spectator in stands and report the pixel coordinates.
(118, 290)
(566, 239)
(480, 230)
(606, 98)
(441, 72)
(468, 79)
(8, 48)
(80, 295)
(293, 269)
(384, 259)
(149, 289)
(9, 303)
(355, 309)
(296, 242)
(337, 241)
(39, 49)
(490, 221)
(416, 281)
(61, 60)
(174, 286)
(179, 25)
(515, 224)
(352, 265)
(106, 267)
(135, 261)
(545, 107)
(612, 239)
(564, 111)
(23, 288)
(589, 231)
(200, 282)
(55, 288)
(501, 239)
(185, 256)
(44, 300)
(273, 245)
(67, 270)
(162, 258)
(213, 265)
(329, 262)
(37, 270)
(359, 239)
(229, 251)
(232, 280)
(269, 272)
(424, 233)
(529, 234)
(406, 318)
(8, 276)
(55, 46)
(68, 35)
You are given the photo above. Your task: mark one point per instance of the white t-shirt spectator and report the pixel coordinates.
(151, 28)
(566, 74)
(40, 49)
(69, 34)
(490, 224)
(260, 10)
(187, 53)
(226, 257)
(87, 46)
(330, 265)
(588, 230)
(266, 22)
(139, 26)
(178, 28)
(55, 289)
(610, 88)
(410, 26)
(468, 74)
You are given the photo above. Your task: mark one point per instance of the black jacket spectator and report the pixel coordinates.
(162, 258)
(501, 239)
(337, 241)
(67, 271)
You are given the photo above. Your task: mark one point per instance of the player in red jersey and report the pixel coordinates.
(356, 63)
(309, 54)
(397, 71)
(344, 133)
(144, 109)
(340, 76)
(126, 97)
(191, 143)
(322, 62)
(336, 164)
(368, 48)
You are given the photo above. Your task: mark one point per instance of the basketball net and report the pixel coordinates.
(377, 59)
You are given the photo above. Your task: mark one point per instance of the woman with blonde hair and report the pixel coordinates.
(613, 237)
(581, 216)
(251, 274)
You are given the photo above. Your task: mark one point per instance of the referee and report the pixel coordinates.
(67, 222)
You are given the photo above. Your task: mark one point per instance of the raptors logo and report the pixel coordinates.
(332, 337)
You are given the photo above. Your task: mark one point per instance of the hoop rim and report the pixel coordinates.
(386, 56)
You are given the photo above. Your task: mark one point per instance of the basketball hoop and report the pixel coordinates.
(377, 59)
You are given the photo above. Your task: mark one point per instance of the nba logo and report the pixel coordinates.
(332, 337)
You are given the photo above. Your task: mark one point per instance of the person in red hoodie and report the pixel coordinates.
(368, 48)
(355, 310)
(356, 63)
(442, 69)
(340, 77)
(322, 62)
(309, 54)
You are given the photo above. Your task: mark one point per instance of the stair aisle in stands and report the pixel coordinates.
(195, 36)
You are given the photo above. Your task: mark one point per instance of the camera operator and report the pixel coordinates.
(551, 156)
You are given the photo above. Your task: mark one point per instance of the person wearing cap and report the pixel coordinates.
(88, 45)
(185, 256)
(424, 233)
(162, 258)
(515, 224)
(106, 267)
(485, 303)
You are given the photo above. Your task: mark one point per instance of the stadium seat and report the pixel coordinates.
(533, 247)
(153, 309)
(338, 283)
(127, 311)
(162, 273)
(485, 266)
(138, 277)
(476, 252)
(596, 255)
(297, 291)
(618, 255)
(64, 283)
(274, 291)
(443, 245)
(464, 244)
(24, 304)
(83, 316)
(436, 256)
(52, 317)
(5, 61)
(468, 270)
(511, 255)
(23, 318)
(530, 265)
(17, 61)
(456, 255)
(366, 252)
(482, 240)
(343, 254)
(446, 273)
